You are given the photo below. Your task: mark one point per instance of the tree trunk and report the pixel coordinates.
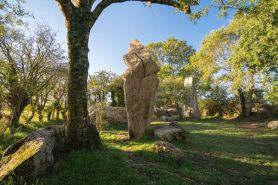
(33, 112)
(251, 91)
(64, 114)
(40, 113)
(16, 112)
(113, 98)
(58, 113)
(49, 113)
(81, 133)
(242, 103)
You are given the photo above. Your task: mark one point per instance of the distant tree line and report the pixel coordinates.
(106, 87)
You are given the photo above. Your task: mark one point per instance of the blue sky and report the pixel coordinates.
(120, 23)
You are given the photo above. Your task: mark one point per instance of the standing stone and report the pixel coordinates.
(191, 108)
(140, 88)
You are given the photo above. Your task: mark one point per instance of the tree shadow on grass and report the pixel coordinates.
(228, 156)
(198, 168)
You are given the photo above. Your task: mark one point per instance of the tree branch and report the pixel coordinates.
(85, 4)
(105, 3)
(66, 7)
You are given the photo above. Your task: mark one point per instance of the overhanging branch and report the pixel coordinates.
(105, 3)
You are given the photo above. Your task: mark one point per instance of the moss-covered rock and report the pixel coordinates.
(34, 155)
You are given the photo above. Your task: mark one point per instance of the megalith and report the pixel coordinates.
(191, 108)
(140, 87)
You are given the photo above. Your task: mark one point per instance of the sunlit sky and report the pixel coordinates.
(120, 23)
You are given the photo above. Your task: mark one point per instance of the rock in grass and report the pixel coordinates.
(111, 114)
(168, 150)
(169, 132)
(33, 155)
(272, 124)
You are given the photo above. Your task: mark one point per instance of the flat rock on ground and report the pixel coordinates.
(169, 132)
(168, 150)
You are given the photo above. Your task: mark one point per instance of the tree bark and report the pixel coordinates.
(16, 112)
(242, 103)
(81, 133)
(250, 94)
(58, 113)
(40, 113)
(18, 99)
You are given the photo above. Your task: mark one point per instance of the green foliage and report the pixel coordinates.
(215, 101)
(242, 56)
(117, 92)
(11, 15)
(222, 5)
(257, 37)
(98, 85)
(106, 87)
(100, 121)
(172, 55)
(170, 92)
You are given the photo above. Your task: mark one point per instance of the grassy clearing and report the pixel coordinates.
(216, 152)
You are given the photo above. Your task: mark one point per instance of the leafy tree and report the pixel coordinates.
(11, 15)
(240, 54)
(257, 46)
(28, 64)
(117, 92)
(215, 100)
(172, 55)
(171, 93)
(105, 87)
(59, 94)
(99, 86)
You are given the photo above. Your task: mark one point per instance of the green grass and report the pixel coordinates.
(216, 152)
(98, 168)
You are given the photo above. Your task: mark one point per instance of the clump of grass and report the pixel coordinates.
(94, 168)
(13, 180)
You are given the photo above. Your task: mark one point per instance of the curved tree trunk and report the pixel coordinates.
(81, 133)
(40, 113)
(33, 112)
(17, 110)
